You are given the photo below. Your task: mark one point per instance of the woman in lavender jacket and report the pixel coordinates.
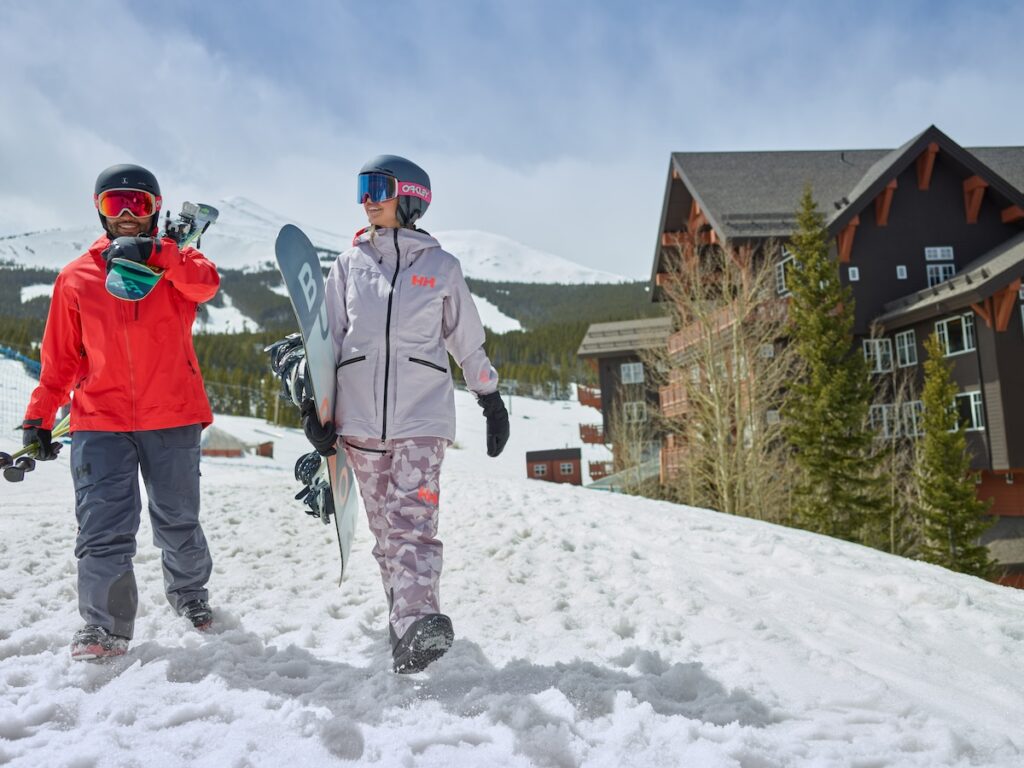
(398, 305)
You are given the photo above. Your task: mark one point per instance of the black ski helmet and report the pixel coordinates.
(413, 185)
(127, 176)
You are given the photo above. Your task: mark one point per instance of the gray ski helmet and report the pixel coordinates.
(413, 185)
(127, 176)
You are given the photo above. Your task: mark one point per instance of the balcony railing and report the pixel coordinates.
(599, 469)
(592, 433)
(673, 457)
(589, 396)
(673, 400)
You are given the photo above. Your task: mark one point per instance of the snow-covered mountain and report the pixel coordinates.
(243, 238)
(592, 630)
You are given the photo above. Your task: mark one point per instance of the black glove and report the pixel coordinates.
(33, 432)
(321, 436)
(132, 248)
(497, 422)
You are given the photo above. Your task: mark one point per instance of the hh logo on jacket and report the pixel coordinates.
(423, 281)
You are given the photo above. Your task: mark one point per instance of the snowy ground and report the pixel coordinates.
(592, 630)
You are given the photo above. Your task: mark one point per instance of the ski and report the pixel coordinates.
(305, 364)
(16, 464)
(131, 280)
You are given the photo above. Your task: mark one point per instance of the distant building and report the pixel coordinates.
(614, 350)
(555, 466)
(217, 442)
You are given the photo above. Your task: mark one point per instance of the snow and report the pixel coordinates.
(30, 292)
(226, 319)
(592, 630)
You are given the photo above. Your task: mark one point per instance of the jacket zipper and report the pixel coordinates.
(364, 450)
(429, 364)
(131, 369)
(387, 340)
(351, 360)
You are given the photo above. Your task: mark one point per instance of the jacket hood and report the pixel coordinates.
(411, 242)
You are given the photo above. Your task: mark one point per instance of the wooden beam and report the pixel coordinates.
(974, 191)
(1004, 303)
(925, 166)
(844, 241)
(883, 202)
(661, 279)
(672, 239)
(675, 175)
(1012, 214)
(984, 311)
(696, 219)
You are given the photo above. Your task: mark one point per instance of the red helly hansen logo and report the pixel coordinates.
(424, 281)
(425, 494)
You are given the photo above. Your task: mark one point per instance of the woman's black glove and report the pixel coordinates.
(497, 422)
(33, 432)
(321, 436)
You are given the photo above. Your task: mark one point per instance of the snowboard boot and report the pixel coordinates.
(94, 642)
(424, 642)
(199, 613)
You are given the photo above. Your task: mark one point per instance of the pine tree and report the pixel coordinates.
(953, 518)
(838, 490)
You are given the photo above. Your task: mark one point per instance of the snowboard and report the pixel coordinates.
(131, 280)
(299, 264)
(15, 465)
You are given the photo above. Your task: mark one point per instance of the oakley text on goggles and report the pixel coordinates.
(378, 187)
(113, 202)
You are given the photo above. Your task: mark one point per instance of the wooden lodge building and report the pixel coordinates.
(930, 238)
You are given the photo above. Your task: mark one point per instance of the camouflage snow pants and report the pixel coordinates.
(399, 484)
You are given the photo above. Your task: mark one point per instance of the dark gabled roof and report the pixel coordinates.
(627, 336)
(557, 454)
(756, 194)
(894, 163)
(975, 283)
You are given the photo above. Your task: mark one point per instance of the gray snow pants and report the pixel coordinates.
(108, 505)
(399, 484)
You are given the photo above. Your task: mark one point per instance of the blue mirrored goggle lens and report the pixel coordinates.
(377, 187)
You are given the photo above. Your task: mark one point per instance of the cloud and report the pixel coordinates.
(548, 122)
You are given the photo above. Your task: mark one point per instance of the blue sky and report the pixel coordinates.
(548, 122)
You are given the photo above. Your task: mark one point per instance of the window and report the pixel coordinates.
(767, 351)
(939, 273)
(938, 253)
(636, 412)
(771, 416)
(782, 272)
(632, 373)
(540, 470)
(878, 353)
(884, 420)
(901, 271)
(565, 468)
(956, 335)
(906, 349)
(853, 273)
(912, 418)
(969, 411)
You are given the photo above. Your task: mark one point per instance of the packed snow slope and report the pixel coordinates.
(592, 630)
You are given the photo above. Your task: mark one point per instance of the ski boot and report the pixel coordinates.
(199, 613)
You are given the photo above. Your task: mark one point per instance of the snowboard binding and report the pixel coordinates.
(288, 362)
(311, 471)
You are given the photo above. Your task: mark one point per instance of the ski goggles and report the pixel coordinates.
(113, 202)
(378, 187)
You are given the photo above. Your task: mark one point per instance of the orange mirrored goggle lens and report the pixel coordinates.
(114, 202)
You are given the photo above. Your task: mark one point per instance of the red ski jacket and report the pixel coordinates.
(130, 365)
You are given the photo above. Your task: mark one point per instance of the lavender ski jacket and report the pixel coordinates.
(397, 305)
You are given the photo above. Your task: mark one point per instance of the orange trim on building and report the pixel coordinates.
(883, 203)
(974, 191)
(925, 166)
(844, 240)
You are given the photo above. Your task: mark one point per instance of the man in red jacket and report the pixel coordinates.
(137, 402)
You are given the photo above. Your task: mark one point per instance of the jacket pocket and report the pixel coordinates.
(423, 391)
(357, 394)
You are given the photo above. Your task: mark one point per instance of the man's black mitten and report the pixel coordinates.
(33, 432)
(132, 248)
(497, 422)
(321, 436)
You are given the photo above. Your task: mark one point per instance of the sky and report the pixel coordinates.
(546, 121)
